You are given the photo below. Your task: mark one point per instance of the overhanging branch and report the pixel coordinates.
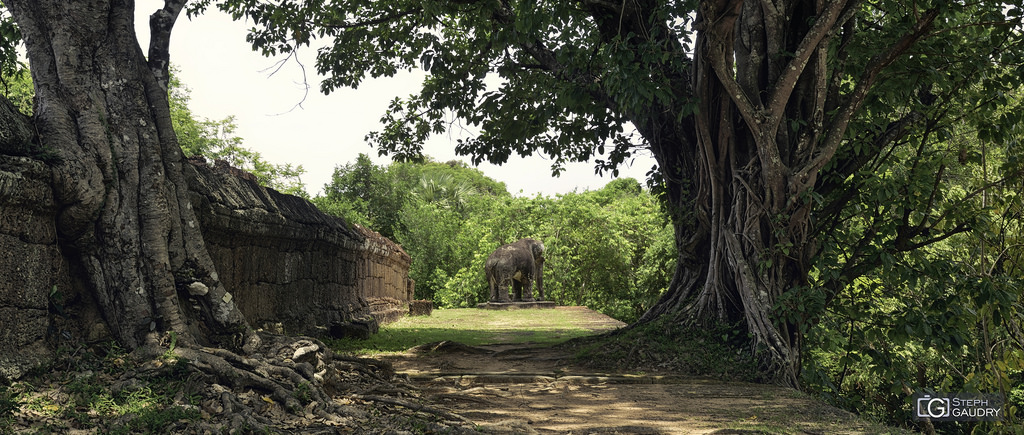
(160, 25)
(531, 45)
(786, 83)
(842, 120)
(371, 22)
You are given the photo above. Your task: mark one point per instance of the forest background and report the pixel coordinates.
(612, 250)
(943, 315)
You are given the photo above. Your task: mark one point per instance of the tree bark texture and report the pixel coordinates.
(740, 169)
(125, 216)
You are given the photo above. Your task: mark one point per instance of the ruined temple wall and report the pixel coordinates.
(31, 267)
(290, 264)
(32, 271)
(385, 282)
(286, 264)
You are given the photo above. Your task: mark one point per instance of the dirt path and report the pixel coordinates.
(533, 389)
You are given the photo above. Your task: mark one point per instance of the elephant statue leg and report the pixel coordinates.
(496, 279)
(524, 289)
(492, 282)
(503, 290)
(540, 279)
(501, 295)
(500, 290)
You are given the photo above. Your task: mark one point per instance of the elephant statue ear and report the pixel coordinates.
(538, 250)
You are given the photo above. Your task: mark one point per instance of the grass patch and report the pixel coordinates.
(156, 420)
(8, 404)
(470, 326)
(85, 399)
(665, 346)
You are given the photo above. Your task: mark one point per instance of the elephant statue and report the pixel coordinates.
(516, 265)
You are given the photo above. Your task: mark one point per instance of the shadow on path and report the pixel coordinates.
(524, 388)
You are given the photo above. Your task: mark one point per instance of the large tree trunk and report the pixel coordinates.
(125, 214)
(740, 171)
(127, 225)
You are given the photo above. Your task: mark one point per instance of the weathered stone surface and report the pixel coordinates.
(288, 266)
(387, 309)
(421, 307)
(31, 267)
(288, 263)
(357, 328)
(198, 289)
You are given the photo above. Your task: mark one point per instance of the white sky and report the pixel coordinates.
(227, 78)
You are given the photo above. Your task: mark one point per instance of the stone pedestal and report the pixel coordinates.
(515, 305)
(421, 307)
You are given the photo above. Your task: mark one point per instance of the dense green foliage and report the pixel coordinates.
(610, 249)
(17, 88)
(216, 140)
(15, 83)
(10, 36)
(940, 305)
(918, 281)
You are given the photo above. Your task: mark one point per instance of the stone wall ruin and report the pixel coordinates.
(293, 268)
(290, 267)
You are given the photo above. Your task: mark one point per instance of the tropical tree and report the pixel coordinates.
(946, 315)
(368, 194)
(441, 188)
(756, 112)
(125, 220)
(104, 109)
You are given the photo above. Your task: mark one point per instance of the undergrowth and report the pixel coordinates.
(665, 346)
(105, 390)
(86, 398)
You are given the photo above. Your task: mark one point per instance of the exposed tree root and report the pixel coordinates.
(447, 346)
(298, 382)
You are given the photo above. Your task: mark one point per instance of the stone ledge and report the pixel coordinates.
(515, 305)
(421, 307)
(389, 316)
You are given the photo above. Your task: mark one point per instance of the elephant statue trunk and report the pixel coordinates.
(516, 265)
